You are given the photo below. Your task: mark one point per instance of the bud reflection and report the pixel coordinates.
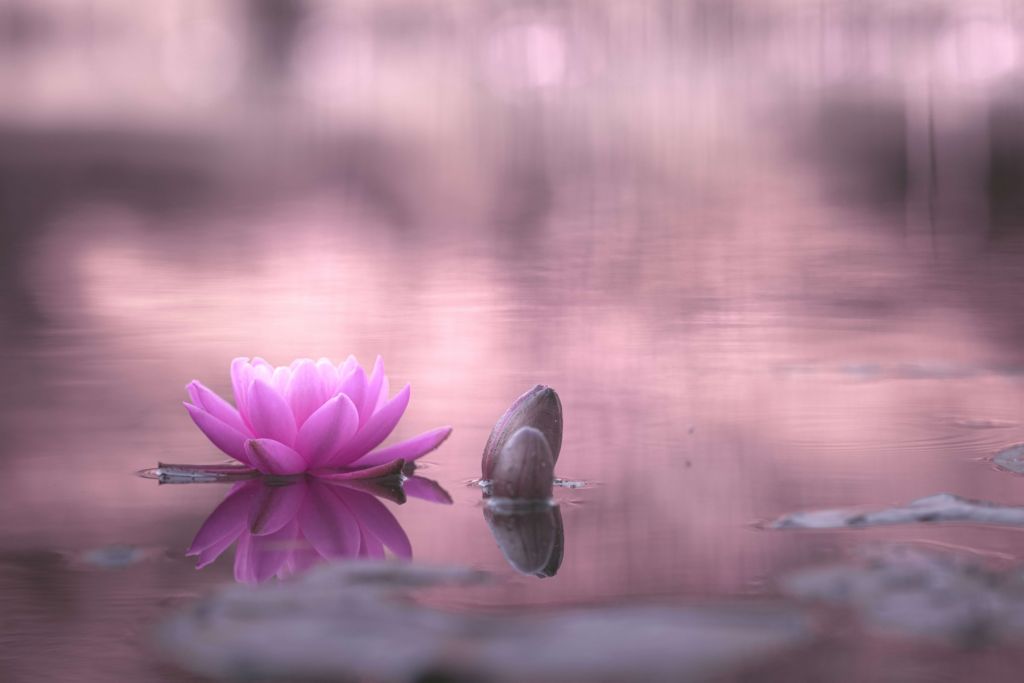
(530, 537)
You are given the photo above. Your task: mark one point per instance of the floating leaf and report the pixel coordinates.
(116, 556)
(1011, 458)
(193, 474)
(942, 507)
(983, 423)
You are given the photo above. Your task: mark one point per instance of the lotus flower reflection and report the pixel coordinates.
(309, 416)
(285, 528)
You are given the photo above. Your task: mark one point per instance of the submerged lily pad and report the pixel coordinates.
(908, 591)
(1011, 458)
(983, 423)
(117, 556)
(942, 507)
(358, 621)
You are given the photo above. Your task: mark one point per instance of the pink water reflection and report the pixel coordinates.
(730, 379)
(285, 527)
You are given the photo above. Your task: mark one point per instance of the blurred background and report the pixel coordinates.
(769, 253)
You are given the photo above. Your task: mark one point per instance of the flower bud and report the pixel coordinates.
(525, 468)
(538, 408)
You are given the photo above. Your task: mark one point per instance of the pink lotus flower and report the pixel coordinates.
(309, 417)
(284, 529)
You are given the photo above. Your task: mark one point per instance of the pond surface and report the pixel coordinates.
(699, 400)
(738, 329)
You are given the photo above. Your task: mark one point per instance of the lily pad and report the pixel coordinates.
(117, 556)
(359, 621)
(942, 507)
(983, 423)
(1011, 458)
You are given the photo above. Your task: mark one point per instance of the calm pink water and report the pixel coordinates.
(705, 385)
(745, 314)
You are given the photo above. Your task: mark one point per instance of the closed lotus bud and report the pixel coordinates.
(538, 408)
(531, 540)
(525, 468)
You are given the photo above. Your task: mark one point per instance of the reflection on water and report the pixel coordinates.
(285, 527)
(531, 537)
(768, 252)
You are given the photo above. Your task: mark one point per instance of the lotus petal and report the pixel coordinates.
(408, 450)
(388, 469)
(216, 406)
(269, 414)
(274, 457)
(353, 385)
(274, 507)
(328, 377)
(280, 379)
(376, 429)
(305, 390)
(227, 519)
(371, 547)
(243, 573)
(223, 436)
(327, 430)
(267, 554)
(371, 396)
(426, 489)
(375, 518)
(241, 378)
(328, 524)
(215, 550)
